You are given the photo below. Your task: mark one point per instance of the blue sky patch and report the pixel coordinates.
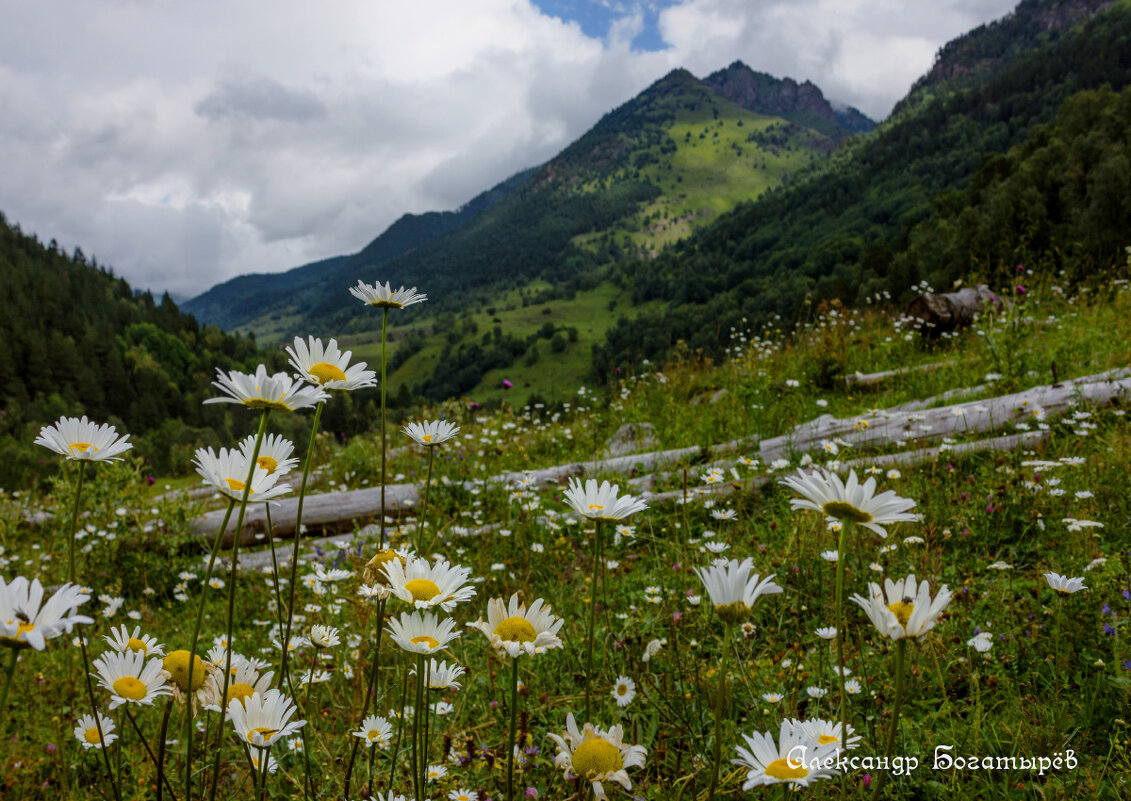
(596, 17)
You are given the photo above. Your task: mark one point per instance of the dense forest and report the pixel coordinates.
(1025, 166)
(79, 340)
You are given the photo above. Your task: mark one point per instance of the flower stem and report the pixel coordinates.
(417, 757)
(368, 693)
(720, 691)
(252, 464)
(400, 728)
(424, 508)
(75, 523)
(148, 750)
(297, 538)
(510, 736)
(9, 671)
(275, 567)
(842, 709)
(592, 616)
(161, 780)
(384, 361)
(97, 720)
(900, 656)
(188, 727)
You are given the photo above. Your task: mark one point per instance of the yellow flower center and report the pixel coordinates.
(136, 645)
(596, 757)
(239, 692)
(267, 463)
(825, 739)
(129, 687)
(177, 663)
(91, 736)
(375, 568)
(235, 484)
(844, 511)
(428, 437)
(733, 613)
(516, 629)
(784, 770)
(262, 403)
(422, 589)
(326, 372)
(266, 732)
(424, 639)
(24, 629)
(622, 689)
(902, 611)
(82, 447)
(373, 734)
(595, 507)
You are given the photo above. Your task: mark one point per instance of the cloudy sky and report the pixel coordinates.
(188, 142)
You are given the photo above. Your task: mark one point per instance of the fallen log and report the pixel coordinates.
(339, 510)
(868, 379)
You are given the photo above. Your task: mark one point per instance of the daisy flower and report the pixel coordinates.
(724, 514)
(27, 622)
(907, 610)
(463, 795)
(324, 636)
(850, 501)
(435, 773)
(228, 471)
(262, 719)
(122, 640)
(624, 690)
(328, 367)
(425, 585)
(601, 502)
(86, 732)
(431, 433)
(513, 628)
(83, 441)
(279, 392)
(129, 678)
(375, 731)
(827, 632)
(773, 698)
(421, 632)
(375, 575)
(244, 682)
(274, 454)
(384, 297)
(441, 675)
(1064, 585)
(770, 763)
(732, 588)
(827, 732)
(175, 667)
(597, 756)
(981, 642)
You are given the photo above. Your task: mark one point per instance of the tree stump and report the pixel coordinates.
(953, 310)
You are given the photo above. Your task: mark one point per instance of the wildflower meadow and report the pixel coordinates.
(841, 566)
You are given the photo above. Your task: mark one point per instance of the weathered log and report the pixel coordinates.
(888, 428)
(953, 310)
(346, 509)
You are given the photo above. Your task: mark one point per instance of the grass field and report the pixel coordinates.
(1056, 677)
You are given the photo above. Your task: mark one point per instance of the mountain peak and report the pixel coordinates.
(803, 103)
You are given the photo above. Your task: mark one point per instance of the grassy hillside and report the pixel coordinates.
(896, 207)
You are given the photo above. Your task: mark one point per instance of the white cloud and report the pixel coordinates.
(185, 143)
